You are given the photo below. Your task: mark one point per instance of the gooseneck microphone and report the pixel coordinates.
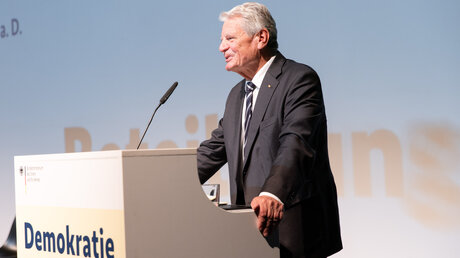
(162, 101)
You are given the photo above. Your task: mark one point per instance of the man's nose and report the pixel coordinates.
(223, 46)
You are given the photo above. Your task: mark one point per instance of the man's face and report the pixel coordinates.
(240, 50)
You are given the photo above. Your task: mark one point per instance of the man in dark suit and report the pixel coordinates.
(273, 135)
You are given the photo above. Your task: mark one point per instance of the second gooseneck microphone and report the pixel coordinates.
(162, 101)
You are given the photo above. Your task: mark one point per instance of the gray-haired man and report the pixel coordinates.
(273, 135)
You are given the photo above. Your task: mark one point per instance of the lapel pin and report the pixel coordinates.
(269, 86)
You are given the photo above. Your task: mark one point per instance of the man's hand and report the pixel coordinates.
(269, 213)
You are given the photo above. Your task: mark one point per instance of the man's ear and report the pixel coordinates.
(263, 38)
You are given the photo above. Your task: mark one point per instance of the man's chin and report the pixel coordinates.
(231, 68)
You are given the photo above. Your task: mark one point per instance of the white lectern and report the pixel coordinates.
(144, 203)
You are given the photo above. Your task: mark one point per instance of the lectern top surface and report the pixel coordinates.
(109, 154)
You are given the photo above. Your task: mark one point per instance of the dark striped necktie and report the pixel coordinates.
(249, 89)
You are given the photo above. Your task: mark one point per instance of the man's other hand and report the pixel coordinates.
(269, 213)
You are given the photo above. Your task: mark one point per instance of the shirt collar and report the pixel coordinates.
(260, 75)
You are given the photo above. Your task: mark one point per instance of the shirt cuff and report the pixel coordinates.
(272, 196)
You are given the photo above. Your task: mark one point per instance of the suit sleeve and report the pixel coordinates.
(211, 154)
(300, 139)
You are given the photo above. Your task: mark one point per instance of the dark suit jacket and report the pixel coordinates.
(287, 156)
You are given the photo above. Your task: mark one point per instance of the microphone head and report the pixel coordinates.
(168, 93)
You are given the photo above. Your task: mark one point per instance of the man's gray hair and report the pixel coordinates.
(255, 17)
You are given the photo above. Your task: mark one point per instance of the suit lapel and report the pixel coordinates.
(234, 128)
(266, 91)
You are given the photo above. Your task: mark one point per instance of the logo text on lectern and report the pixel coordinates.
(88, 246)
